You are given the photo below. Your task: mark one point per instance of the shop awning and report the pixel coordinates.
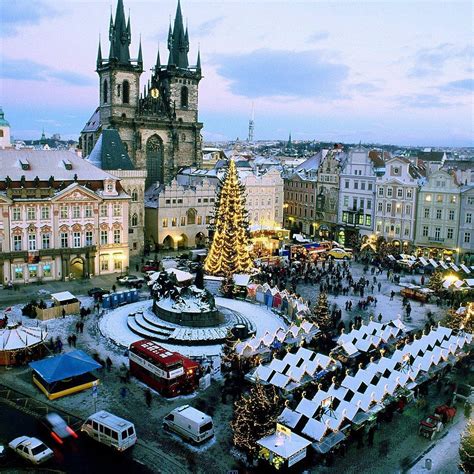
(64, 297)
(64, 366)
(329, 442)
(284, 445)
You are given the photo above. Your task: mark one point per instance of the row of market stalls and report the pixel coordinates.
(294, 370)
(285, 303)
(411, 261)
(263, 347)
(331, 416)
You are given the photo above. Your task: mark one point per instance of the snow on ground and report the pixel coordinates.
(113, 325)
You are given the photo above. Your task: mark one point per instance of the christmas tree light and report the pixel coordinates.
(229, 252)
(321, 315)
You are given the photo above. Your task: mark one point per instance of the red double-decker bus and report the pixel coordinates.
(170, 373)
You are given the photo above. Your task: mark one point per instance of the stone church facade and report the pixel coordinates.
(158, 124)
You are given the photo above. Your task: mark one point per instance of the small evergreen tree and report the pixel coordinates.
(436, 281)
(321, 315)
(466, 448)
(255, 416)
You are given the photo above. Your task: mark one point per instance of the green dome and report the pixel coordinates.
(3, 122)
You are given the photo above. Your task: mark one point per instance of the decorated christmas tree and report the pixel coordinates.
(321, 314)
(255, 416)
(461, 319)
(229, 251)
(466, 448)
(436, 281)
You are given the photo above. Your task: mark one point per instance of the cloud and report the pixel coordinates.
(206, 28)
(431, 60)
(269, 73)
(364, 87)
(463, 85)
(18, 13)
(423, 101)
(318, 36)
(26, 70)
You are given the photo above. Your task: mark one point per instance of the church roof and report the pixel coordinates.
(178, 42)
(3, 122)
(93, 124)
(109, 152)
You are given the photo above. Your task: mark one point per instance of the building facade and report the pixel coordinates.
(466, 226)
(356, 196)
(158, 125)
(62, 218)
(395, 208)
(437, 216)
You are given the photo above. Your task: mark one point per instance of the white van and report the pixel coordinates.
(190, 424)
(111, 430)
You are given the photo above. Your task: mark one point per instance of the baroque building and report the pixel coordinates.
(158, 123)
(61, 218)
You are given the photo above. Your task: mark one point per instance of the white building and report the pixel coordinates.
(5, 141)
(61, 218)
(396, 194)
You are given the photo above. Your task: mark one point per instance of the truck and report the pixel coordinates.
(191, 424)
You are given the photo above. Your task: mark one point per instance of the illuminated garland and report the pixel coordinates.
(229, 252)
(466, 448)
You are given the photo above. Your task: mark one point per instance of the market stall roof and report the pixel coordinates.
(329, 442)
(70, 364)
(16, 336)
(63, 297)
(284, 445)
(241, 279)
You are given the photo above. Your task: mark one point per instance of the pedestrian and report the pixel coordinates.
(78, 325)
(63, 312)
(108, 363)
(123, 392)
(74, 339)
(81, 327)
(379, 285)
(69, 341)
(148, 397)
(114, 288)
(392, 294)
(379, 317)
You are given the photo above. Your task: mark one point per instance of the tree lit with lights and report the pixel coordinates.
(229, 252)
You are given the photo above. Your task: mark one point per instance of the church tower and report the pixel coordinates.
(4, 131)
(158, 121)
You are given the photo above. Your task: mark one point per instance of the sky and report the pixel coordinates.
(392, 72)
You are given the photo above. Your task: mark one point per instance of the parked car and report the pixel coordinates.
(32, 449)
(338, 253)
(97, 292)
(131, 280)
(58, 428)
(191, 424)
(151, 265)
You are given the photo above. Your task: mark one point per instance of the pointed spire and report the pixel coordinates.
(140, 54)
(198, 62)
(178, 42)
(99, 56)
(120, 36)
(111, 25)
(158, 60)
(129, 29)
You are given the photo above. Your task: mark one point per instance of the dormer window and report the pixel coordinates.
(110, 187)
(67, 164)
(25, 165)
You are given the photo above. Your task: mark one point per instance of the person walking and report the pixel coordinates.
(379, 285)
(63, 312)
(74, 339)
(108, 363)
(148, 397)
(123, 392)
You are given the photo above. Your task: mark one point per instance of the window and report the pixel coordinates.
(389, 192)
(437, 233)
(19, 272)
(47, 270)
(346, 201)
(346, 184)
(117, 264)
(104, 237)
(164, 223)
(199, 220)
(174, 222)
(381, 192)
(409, 193)
(76, 212)
(134, 220)
(389, 207)
(44, 213)
(470, 200)
(125, 92)
(368, 220)
(425, 231)
(356, 184)
(104, 263)
(467, 237)
(88, 240)
(117, 236)
(345, 216)
(450, 233)
(30, 213)
(439, 213)
(451, 215)
(63, 213)
(439, 198)
(31, 242)
(468, 217)
(46, 241)
(408, 209)
(134, 196)
(428, 198)
(87, 210)
(400, 192)
(76, 239)
(117, 210)
(184, 97)
(103, 210)
(361, 204)
(406, 231)
(426, 213)
(379, 226)
(182, 221)
(362, 185)
(17, 243)
(453, 199)
(380, 207)
(105, 91)
(16, 214)
(208, 220)
(64, 239)
(369, 186)
(398, 208)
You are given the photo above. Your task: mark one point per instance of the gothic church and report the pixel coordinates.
(158, 125)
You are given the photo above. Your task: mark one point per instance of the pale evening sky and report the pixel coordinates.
(376, 71)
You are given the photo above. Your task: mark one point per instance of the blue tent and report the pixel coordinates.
(70, 364)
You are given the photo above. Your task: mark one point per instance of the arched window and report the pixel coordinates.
(191, 215)
(126, 92)
(1, 133)
(184, 97)
(134, 195)
(134, 220)
(105, 92)
(154, 160)
(119, 89)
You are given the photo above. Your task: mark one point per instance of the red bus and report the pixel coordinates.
(170, 373)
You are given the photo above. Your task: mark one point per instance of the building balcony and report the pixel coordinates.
(435, 239)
